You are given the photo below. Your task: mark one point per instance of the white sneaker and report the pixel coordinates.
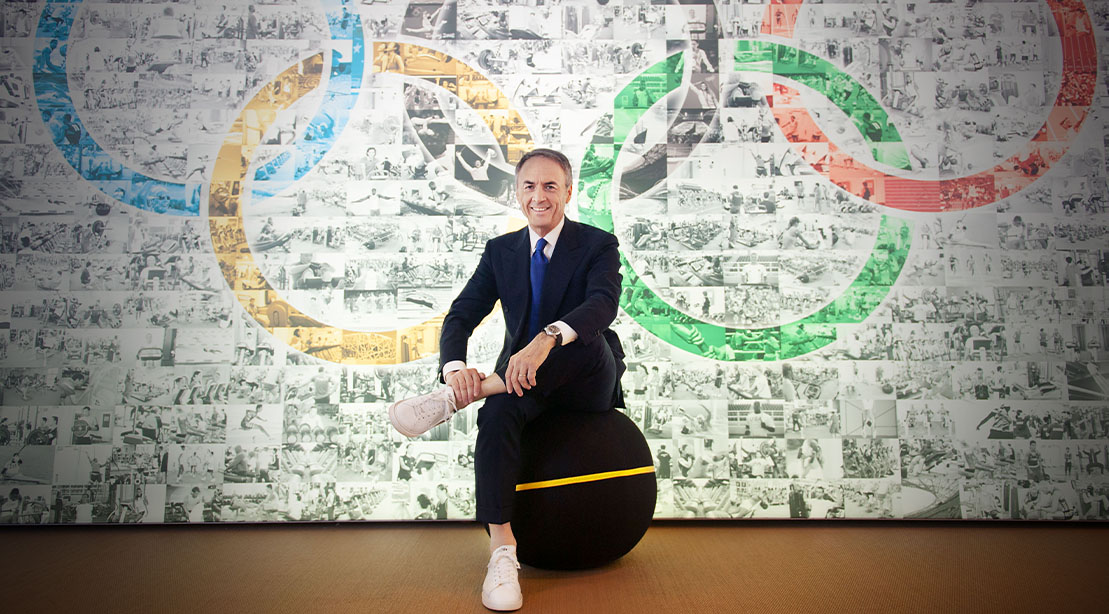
(501, 590)
(418, 415)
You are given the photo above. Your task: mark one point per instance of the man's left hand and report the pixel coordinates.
(523, 365)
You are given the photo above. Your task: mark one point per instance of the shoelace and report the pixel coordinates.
(434, 407)
(504, 569)
(430, 407)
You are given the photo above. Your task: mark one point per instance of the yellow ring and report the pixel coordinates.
(227, 195)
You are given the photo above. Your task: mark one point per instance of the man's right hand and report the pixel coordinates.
(466, 384)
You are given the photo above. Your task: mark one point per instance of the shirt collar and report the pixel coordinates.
(551, 237)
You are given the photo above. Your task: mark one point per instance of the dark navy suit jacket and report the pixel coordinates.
(581, 288)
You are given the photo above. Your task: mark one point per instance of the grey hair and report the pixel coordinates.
(550, 154)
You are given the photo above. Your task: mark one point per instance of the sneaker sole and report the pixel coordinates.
(516, 605)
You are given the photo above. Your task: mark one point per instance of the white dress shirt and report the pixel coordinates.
(568, 334)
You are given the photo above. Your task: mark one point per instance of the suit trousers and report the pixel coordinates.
(575, 377)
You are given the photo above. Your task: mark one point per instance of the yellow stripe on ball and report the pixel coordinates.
(591, 477)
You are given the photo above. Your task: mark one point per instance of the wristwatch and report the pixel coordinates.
(555, 332)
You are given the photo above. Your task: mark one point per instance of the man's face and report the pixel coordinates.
(542, 191)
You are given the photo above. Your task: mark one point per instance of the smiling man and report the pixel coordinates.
(559, 283)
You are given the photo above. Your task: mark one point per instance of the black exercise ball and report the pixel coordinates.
(586, 492)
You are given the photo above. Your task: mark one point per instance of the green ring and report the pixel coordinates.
(727, 343)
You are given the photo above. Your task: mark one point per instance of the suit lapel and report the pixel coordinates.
(559, 271)
(518, 266)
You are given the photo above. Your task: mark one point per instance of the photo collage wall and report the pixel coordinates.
(863, 244)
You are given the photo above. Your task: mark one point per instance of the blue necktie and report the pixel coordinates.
(538, 271)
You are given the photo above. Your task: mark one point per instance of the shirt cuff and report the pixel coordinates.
(568, 334)
(452, 366)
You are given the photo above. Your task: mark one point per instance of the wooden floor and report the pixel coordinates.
(678, 567)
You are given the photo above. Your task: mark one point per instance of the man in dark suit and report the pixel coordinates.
(559, 283)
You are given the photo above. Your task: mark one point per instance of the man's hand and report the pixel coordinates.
(520, 375)
(466, 384)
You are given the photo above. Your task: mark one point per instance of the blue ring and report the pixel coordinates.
(133, 188)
